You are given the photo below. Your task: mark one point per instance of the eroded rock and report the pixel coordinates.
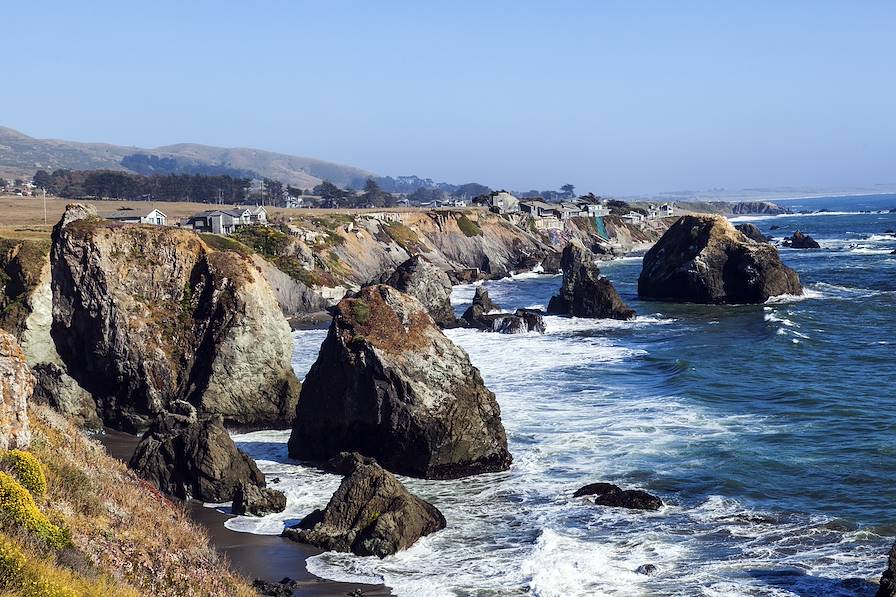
(585, 293)
(798, 240)
(428, 284)
(16, 387)
(752, 232)
(370, 514)
(607, 494)
(188, 455)
(389, 384)
(704, 259)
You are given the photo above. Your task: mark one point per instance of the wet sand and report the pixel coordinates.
(266, 557)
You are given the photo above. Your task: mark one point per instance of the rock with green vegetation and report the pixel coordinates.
(371, 513)
(186, 455)
(389, 384)
(16, 387)
(147, 315)
(21, 268)
(27, 470)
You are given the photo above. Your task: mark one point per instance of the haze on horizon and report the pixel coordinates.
(615, 98)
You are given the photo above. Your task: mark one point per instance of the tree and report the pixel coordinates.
(568, 190)
(42, 179)
(327, 190)
(273, 191)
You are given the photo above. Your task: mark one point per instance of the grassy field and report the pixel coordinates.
(23, 217)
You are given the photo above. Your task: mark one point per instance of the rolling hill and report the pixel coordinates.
(22, 156)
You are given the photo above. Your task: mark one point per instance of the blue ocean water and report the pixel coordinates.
(767, 429)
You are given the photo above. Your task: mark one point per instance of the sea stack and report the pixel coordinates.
(147, 315)
(390, 385)
(704, 259)
(585, 293)
(429, 285)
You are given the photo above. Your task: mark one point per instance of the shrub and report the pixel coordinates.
(12, 561)
(223, 243)
(268, 241)
(27, 470)
(17, 507)
(360, 311)
(468, 226)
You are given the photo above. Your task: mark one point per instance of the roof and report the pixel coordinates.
(126, 214)
(537, 203)
(218, 212)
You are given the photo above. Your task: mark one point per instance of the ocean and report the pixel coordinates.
(768, 430)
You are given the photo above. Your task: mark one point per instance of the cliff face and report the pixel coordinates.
(143, 316)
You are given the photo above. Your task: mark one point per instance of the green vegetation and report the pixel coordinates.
(360, 311)
(224, 243)
(406, 238)
(27, 470)
(18, 510)
(468, 226)
(265, 240)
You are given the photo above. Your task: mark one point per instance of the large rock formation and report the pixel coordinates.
(370, 514)
(752, 232)
(703, 259)
(429, 285)
(389, 384)
(16, 385)
(186, 455)
(55, 388)
(758, 207)
(801, 241)
(585, 293)
(888, 580)
(146, 315)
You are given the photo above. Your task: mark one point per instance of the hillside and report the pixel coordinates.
(22, 156)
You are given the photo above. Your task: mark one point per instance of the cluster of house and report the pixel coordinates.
(216, 221)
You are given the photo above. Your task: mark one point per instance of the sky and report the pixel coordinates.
(613, 97)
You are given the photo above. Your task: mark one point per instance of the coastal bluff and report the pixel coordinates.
(144, 316)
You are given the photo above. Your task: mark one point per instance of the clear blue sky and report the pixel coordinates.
(618, 98)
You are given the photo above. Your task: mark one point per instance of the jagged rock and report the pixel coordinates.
(187, 455)
(585, 293)
(551, 263)
(607, 494)
(752, 232)
(703, 259)
(257, 501)
(16, 386)
(428, 284)
(888, 579)
(389, 384)
(146, 315)
(801, 241)
(57, 389)
(480, 306)
(272, 589)
(370, 514)
(646, 569)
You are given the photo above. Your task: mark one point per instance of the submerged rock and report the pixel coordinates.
(186, 455)
(370, 514)
(429, 285)
(585, 293)
(147, 315)
(704, 259)
(257, 501)
(16, 387)
(389, 384)
(646, 569)
(607, 494)
(801, 241)
(752, 232)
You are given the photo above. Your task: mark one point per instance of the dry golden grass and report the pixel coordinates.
(120, 525)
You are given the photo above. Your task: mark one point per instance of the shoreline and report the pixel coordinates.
(267, 557)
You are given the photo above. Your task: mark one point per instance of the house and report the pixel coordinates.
(593, 210)
(135, 216)
(459, 203)
(667, 210)
(567, 210)
(548, 223)
(653, 211)
(258, 215)
(537, 208)
(502, 202)
(633, 217)
(219, 221)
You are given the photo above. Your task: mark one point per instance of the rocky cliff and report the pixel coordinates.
(390, 385)
(16, 385)
(144, 316)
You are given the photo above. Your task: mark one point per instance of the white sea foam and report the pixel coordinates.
(754, 218)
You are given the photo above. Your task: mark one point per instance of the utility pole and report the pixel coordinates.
(45, 206)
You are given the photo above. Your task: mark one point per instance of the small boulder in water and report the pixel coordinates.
(646, 569)
(370, 514)
(585, 293)
(481, 305)
(801, 241)
(257, 501)
(607, 494)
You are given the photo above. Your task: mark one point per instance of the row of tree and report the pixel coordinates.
(124, 185)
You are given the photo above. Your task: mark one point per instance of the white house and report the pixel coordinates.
(258, 215)
(503, 202)
(134, 216)
(633, 217)
(218, 221)
(592, 210)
